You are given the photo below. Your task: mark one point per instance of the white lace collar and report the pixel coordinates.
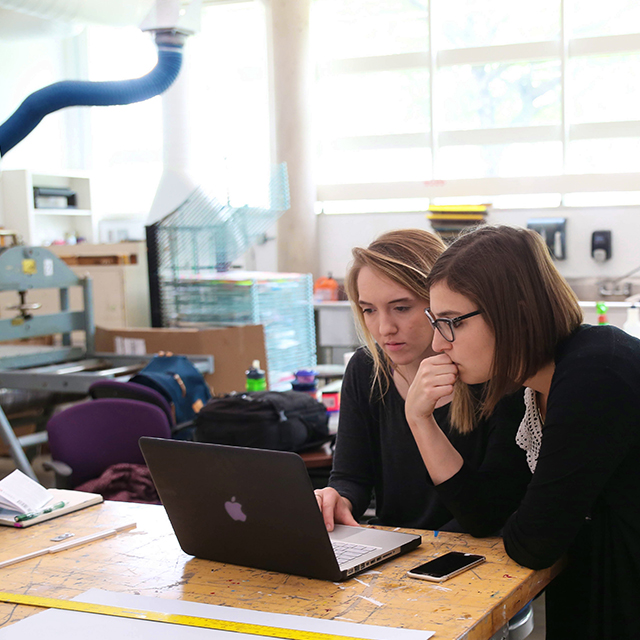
(529, 436)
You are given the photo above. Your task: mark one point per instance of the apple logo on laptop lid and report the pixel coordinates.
(234, 509)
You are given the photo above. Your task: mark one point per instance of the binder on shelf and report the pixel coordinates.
(449, 220)
(54, 198)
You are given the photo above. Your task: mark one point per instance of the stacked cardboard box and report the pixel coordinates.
(233, 348)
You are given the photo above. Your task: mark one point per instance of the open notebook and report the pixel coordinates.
(24, 502)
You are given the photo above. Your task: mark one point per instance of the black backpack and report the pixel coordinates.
(280, 420)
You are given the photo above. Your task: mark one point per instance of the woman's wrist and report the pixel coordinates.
(426, 423)
(440, 457)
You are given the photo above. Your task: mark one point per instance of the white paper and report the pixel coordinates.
(130, 346)
(18, 492)
(71, 625)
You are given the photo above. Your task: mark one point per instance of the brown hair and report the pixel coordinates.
(404, 256)
(508, 273)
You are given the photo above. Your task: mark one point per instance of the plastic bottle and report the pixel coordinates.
(602, 308)
(256, 379)
(325, 289)
(306, 381)
(632, 323)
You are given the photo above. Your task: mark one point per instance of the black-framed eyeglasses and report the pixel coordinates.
(446, 325)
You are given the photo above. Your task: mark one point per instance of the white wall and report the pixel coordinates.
(338, 233)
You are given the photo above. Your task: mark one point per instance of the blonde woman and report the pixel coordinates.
(376, 454)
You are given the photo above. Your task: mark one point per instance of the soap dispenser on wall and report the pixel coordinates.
(601, 245)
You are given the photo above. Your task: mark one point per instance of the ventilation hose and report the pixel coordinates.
(72, 93)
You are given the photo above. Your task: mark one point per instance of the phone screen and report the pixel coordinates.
(446, 565)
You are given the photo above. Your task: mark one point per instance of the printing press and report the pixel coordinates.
(61, 371)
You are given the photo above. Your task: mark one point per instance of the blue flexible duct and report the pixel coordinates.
(71, 93)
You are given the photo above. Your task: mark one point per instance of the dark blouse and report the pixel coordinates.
(376, 453)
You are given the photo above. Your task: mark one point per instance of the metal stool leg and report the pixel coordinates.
(15, 448)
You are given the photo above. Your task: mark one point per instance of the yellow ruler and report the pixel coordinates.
(170, 618)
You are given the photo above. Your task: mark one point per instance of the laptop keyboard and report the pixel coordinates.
(348, 551)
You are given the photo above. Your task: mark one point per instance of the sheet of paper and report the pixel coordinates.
(19, 492)
(71, 625)
(130, 346)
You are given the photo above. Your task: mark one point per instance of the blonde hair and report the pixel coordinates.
(404, 256)
(508, 273)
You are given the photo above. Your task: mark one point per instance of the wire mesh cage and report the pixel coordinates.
(190, 252)
(204, 234)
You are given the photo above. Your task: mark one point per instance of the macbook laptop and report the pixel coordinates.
(256, 508)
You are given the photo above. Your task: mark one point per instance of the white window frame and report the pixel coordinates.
(562, 184)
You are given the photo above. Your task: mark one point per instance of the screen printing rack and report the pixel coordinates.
(63, 368)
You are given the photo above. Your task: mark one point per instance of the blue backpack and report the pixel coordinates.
(178, 380)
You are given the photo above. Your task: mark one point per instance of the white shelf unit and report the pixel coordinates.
(43, 226)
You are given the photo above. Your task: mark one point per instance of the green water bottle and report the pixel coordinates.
(256, 380)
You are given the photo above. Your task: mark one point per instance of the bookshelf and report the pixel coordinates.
(31, 207)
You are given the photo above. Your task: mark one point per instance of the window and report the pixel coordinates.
(476, 101)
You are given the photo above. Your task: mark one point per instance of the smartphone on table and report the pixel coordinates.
(446, 566)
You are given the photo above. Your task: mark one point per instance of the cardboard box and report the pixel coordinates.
(233, 349)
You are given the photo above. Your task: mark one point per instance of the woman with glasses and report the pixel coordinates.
(503, 316)
(375, 451)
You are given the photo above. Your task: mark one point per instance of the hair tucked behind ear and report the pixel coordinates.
(508, 273)
(405, 257)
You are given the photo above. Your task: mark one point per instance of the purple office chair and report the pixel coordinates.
(110, 388)
(89, 437)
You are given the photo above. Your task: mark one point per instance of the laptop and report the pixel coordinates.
(256, 507)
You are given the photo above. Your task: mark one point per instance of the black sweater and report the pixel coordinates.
(376, 452)
(584, 497)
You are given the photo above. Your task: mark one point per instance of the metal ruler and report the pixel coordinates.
(170, 618)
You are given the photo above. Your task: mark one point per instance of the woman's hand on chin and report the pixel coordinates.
(431, 388)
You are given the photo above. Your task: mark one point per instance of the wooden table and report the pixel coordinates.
(320, 458)
(148, 561)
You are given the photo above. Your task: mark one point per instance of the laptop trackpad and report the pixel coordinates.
(344, 532)
(377, 539)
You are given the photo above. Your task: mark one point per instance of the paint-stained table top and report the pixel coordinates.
(148, 561)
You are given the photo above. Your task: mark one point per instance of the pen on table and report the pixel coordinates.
(35, 514)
